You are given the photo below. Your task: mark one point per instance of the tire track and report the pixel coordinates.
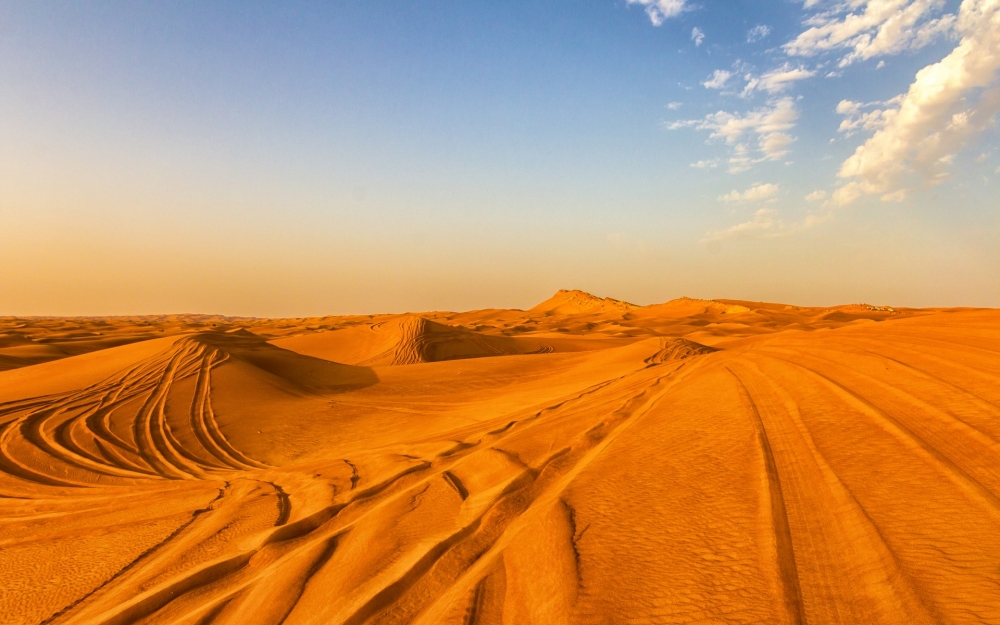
(550, 493)
(321, 526)
(962, 479)
(787, 571)
(827, 546)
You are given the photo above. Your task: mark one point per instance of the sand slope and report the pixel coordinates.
(574, 302)
(405, 340)
(689, 462)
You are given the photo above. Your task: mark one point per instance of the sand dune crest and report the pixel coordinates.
(573, 302)
(403, 340)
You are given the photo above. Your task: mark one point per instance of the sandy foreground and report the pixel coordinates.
(585, 461)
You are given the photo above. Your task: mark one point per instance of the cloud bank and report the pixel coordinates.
(946, 106)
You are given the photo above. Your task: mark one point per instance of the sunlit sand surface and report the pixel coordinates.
(585, 461)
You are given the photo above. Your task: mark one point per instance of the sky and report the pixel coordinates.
(313, 158)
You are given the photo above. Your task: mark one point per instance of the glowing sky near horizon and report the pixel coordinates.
(306, 158)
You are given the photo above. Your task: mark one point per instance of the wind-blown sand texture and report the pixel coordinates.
(585, 461)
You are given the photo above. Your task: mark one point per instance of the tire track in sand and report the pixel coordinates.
(785, 551)
(847, 573)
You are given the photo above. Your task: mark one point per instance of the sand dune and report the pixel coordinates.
(584, 461)
(406, 340)
(573, 302)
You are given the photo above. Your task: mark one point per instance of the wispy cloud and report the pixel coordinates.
(697, 36)
(758, 32)
(816, 196)
(770, 124)
(870, 28)
(661, 10)
(776, 80)
(763, 225)
(857, 119)
(948, 104)
(766, 224)
(718, 79)
(756, 193)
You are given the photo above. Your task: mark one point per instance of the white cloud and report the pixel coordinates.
(846, 107)
(769, 124)
(870, 28)
(755, 193)
(948, 104)
(697, 36)
(661, 10)
(816, 196)
(712, 164)
(872, 120)
(718, 79)
(758, 32)
(740, 160)
(682, 123)
(779, 116)
(775, 144)
(856, 119)
(776, 80)
(673, 106)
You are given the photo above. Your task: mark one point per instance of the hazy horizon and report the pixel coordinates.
(304, 159)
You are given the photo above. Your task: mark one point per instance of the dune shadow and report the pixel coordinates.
(306, 373)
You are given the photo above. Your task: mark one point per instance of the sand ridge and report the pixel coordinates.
(584, 461)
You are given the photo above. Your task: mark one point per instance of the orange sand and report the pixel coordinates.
(585, 461)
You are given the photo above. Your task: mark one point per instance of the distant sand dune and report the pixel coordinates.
(575, 302)
(698, 461)
(405, 340)
(678, 349)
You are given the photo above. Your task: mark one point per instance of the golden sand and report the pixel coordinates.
(585, 461)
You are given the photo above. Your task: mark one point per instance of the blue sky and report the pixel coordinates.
(313, 158)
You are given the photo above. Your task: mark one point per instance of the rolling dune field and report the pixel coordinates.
(584, 461)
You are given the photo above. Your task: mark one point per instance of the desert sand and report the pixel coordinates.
(584, 461)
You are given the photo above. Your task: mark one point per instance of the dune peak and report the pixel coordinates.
(688, 306)
(574, 301)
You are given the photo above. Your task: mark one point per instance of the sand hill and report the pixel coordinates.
(576, 302)
(688, 307)
(403, 340)
(586, 460)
